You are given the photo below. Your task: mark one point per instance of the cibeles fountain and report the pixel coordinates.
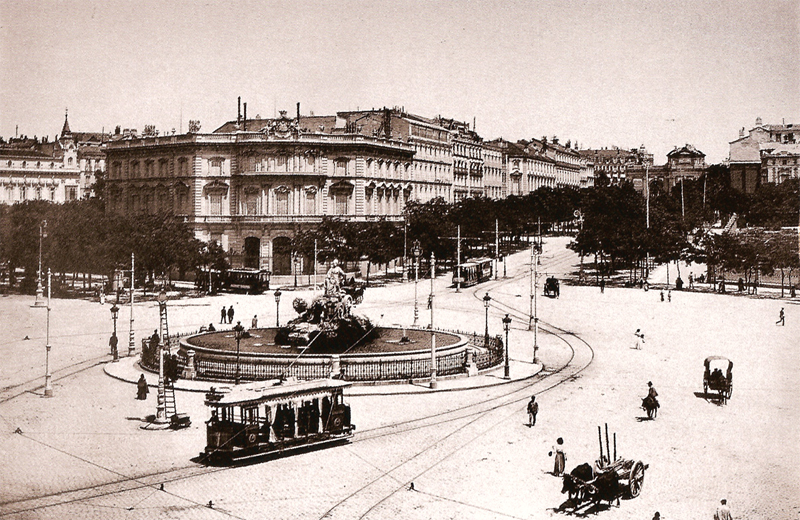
(328, 339)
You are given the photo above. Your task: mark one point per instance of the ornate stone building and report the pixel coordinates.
(768, 153)
(253, 184)
(60, 171)
(615, 162)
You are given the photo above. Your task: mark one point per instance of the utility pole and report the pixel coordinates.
(496, 247)
(433, 334)
(132, 337)
(405, 250)
(532, 291)
(647, 198)
(48, 382)
(458, 260)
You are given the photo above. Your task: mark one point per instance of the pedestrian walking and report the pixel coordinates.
(603, 285)
(223, 315)
(723, 511)
(793, 292)
(113, 342)
(662, 295)
(141, 388)
(781, 319)
(561, 457)
(533, 409)
(669, 296)
(691, 281)
(254, 323)
(230, 314)
(639, 339)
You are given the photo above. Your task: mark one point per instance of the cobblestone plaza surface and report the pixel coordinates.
(465, 446)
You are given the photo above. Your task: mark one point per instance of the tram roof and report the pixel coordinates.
(474, 261)
(274, 391)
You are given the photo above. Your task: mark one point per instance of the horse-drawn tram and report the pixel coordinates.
(275, 417)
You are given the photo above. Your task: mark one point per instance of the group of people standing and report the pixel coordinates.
(226, 315)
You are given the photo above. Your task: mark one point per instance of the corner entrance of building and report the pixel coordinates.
(281, 256)
(252, 252)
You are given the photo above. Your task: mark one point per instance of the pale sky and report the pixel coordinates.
(604, 73)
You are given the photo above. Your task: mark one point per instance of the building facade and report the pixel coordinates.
(750, 156)
(615, 162)
(253, 190)
(59, 171)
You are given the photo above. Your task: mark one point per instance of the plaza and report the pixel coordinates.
(465, 446)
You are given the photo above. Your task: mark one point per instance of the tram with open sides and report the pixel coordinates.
(473, 272)
(266, 417)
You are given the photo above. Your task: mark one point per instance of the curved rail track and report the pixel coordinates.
(466, 427)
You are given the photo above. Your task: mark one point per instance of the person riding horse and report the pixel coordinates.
(650, 403)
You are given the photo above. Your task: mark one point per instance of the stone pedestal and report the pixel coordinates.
(189, 371)
(472, 367)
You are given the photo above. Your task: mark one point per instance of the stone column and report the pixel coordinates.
(336, 367)
(189, 371)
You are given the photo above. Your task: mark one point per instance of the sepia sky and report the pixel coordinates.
(604, 73)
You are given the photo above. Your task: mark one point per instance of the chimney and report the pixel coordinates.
(245, 117)
(239, 111)
(298, 116)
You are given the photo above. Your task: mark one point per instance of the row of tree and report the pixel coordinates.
(79, 237)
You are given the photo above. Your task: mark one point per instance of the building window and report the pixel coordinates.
(38, 193)
(340, 203)
(182, 166)
(216, 167)
(24, 164)
(341, 167)
(135, 169)
(282, 203)
(311, 203)
(250, 202)
(163, 167)
(69, 161)
(72, 193)
(215, 202)
(52, 194)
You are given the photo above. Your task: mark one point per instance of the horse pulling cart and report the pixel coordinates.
(714, 379)
(605, 481)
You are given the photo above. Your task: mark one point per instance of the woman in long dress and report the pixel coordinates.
(561, 458)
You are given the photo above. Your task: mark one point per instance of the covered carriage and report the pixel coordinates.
(552, 287)
(715, 379)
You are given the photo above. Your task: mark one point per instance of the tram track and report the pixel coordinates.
(580, 357)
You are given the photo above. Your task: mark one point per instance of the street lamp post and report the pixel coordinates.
(238, 331)
(296, 268)
(433, 334)
(277, 307)
(39, 290)
(506, 325)
(486, 300)
(417, 252)
(114, 339)
(48, 380)
(405, 250)
(161, 406)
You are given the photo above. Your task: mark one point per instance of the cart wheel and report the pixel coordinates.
(636, 479)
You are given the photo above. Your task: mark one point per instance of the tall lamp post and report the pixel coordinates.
(296, 268)
(405, 250)
(39, 290)
(486, 300)
(48, 381)
(238, 331)
(114, 340)
(277, 307)
(417, 252)
(433, 334)
(506, 325)
(161, 406)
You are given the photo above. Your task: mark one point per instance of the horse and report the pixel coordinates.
(574, 482)
(651, 406)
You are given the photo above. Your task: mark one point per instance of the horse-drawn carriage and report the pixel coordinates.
(605, 481)
(714, 378)
(622, 478)
(552, 287)
(354, 289)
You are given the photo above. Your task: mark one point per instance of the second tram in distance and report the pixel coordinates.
(473, 272)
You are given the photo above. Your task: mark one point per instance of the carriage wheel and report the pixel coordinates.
(636, 479)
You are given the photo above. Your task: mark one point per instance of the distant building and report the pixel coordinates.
(526, 169)
(60, 171)
(615, 162)
(683, 163)
(752, 158)
(467, 159)
(494, 171)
